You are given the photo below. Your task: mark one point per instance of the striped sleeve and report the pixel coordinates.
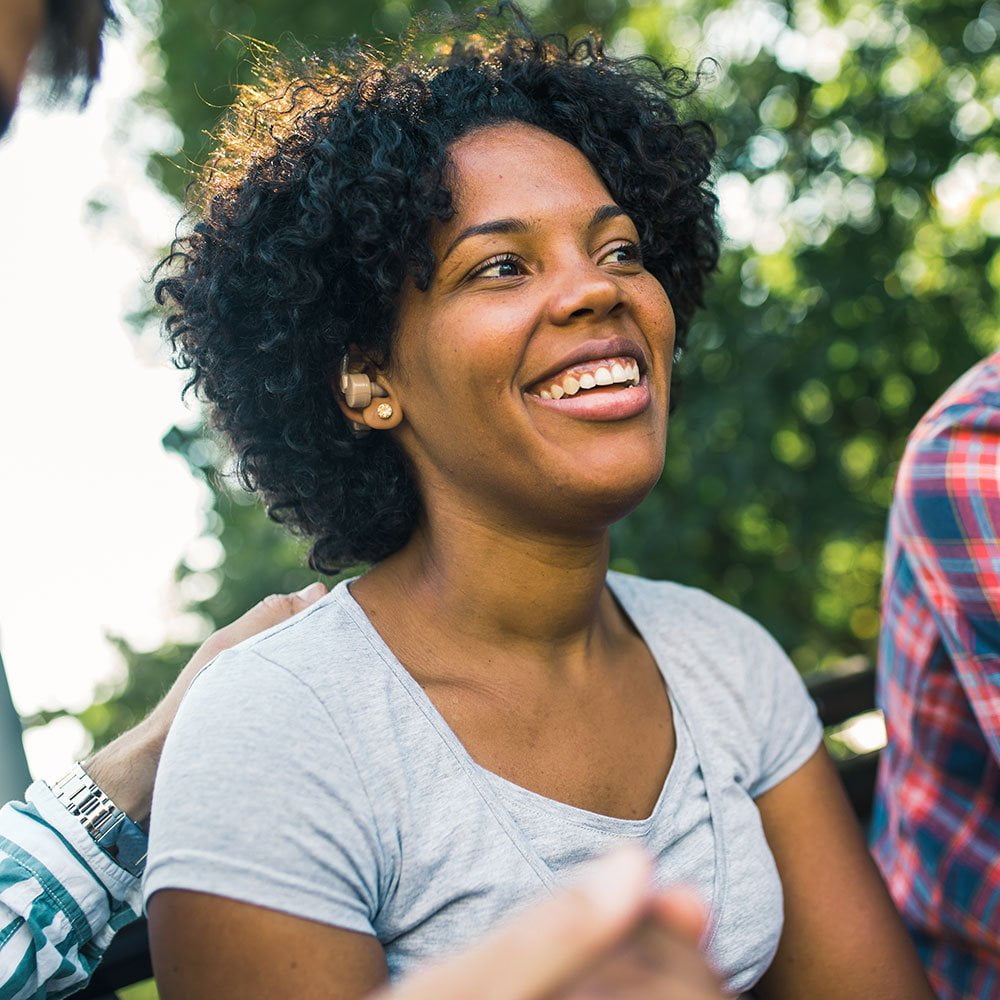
(61, 899)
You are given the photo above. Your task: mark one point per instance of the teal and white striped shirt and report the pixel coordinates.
(61, 899)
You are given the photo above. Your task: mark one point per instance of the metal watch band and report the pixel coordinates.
(112, 830)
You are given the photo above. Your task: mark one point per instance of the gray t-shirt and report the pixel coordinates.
(308, 772)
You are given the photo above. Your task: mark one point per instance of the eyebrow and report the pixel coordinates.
(503, 227)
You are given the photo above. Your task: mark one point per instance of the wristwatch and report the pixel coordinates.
(120, 837)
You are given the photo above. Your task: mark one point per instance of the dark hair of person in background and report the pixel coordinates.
(66, 56)
(71, 47)
(318, 208)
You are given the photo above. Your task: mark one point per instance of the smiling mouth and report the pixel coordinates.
(607, 374)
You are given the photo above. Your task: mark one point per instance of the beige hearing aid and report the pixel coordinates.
(357, 387)
(358, 391)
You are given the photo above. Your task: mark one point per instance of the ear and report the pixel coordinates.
(384, 411)
(364, 395)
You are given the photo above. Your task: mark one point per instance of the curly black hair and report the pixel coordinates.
(330, 173)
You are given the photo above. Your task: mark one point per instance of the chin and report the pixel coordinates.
(608, 495)
(628, 497)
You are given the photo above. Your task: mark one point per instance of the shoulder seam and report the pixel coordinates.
(350, 753)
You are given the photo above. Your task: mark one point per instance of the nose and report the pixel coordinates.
(583, 290)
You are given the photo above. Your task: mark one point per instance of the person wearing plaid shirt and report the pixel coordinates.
(936, 827)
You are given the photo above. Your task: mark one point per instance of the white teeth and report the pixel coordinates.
(626, 374)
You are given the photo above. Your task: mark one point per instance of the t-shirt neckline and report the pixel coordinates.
(685, 747)
(621, 587)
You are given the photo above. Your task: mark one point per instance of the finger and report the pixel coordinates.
(681, 910)
(547, 945)
(272, 610)
(265, 614)
(652, 961)
(669, 951)
(275, 608)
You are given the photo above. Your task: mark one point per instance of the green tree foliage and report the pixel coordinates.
(859, 173)
(859, 181)
(202, 50)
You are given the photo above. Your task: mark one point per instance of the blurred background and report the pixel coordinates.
(859, 179)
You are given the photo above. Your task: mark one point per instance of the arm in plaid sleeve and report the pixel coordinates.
(947, 520)
(61, 899)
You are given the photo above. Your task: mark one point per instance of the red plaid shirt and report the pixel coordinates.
(936, 829)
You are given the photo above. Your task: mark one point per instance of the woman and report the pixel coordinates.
(434, 304)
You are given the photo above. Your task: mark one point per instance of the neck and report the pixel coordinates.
(539, 595)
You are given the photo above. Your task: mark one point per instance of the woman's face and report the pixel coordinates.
(534, 372)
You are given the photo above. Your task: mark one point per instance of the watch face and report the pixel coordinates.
(125, 843)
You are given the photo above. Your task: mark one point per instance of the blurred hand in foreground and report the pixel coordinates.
(607, 935)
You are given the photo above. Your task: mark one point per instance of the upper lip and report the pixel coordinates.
(596, 350)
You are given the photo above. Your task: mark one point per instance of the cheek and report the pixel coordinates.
(658, 317)
(485, 345)
(454, 372)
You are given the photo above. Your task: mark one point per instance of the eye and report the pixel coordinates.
(625, 252)
(502, 266)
